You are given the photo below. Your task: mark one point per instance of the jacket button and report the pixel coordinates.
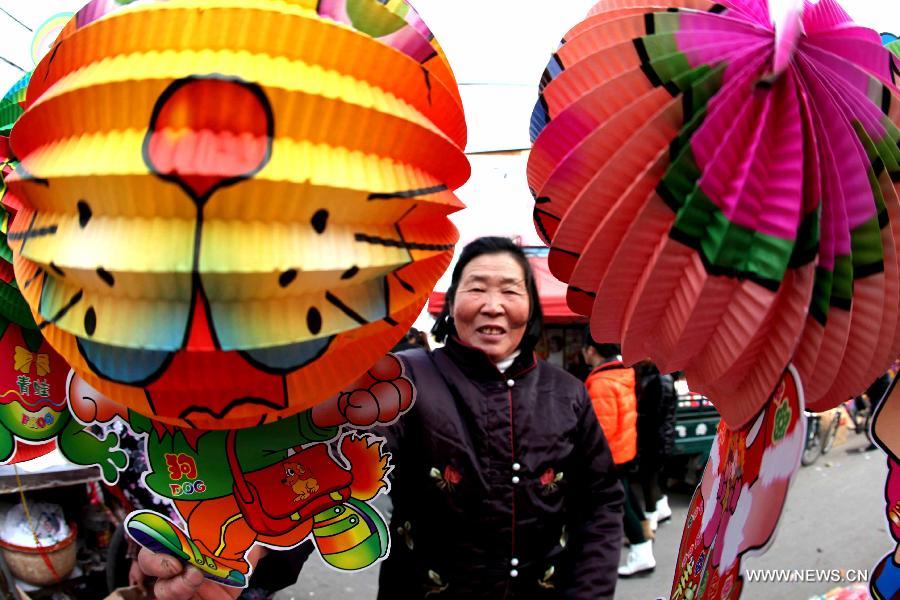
(514, 561)
(513, 573)
(515, 479)
(516, 466)
(510, 382)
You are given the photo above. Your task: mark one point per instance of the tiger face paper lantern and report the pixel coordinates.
(230, 209)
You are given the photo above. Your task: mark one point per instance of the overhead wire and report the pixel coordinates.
(16, 20)
(11, 63)
(3, 58)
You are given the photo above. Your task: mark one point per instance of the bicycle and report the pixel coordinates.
(859, 411)
(819, 440)
(860, 416)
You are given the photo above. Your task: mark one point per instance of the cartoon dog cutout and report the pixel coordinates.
(300, 480)
(237, 488)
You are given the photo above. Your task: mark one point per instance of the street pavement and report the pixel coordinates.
(834, 519)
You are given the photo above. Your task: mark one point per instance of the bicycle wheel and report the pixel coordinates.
(868, 425)
(830, 433)
(813, 443)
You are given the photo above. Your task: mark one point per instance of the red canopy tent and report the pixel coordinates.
(552, 292)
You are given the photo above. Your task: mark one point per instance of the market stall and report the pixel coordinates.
(54, 530)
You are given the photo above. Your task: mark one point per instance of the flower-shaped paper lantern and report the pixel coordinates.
(230, 209)
(717, 186)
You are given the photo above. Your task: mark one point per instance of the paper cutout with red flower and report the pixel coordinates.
(884, 583)
(274, 485)
(736, 507)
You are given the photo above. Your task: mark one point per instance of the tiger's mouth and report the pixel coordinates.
(138, 367)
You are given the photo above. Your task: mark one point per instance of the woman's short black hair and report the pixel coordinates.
(444, 326)
(604, 350)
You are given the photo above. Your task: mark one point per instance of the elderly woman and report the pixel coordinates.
(504, 484)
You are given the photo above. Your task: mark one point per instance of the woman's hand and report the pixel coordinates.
(136, 577)
(178, 582)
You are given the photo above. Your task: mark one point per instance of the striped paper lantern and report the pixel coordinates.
(230, 209)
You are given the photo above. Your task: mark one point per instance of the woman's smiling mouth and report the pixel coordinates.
(491, 330)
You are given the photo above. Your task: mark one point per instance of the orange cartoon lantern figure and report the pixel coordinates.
(264, 209)
(308, 475)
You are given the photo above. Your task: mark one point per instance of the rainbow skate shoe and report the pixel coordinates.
(158, 534)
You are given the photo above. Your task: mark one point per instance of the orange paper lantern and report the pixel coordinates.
(230, 209)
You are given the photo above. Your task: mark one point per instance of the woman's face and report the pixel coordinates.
(491, 306)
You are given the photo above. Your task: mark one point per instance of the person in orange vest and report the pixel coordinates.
(611, 386)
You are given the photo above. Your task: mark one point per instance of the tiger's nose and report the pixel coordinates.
(209, 132)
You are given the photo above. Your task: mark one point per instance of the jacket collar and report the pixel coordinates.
(609, 365)
(476, 365)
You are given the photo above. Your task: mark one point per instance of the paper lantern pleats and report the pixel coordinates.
(720, 193)
(263, 211)
(11, 104)
(12, 305)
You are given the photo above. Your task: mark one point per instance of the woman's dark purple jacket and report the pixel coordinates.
(503, 485)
